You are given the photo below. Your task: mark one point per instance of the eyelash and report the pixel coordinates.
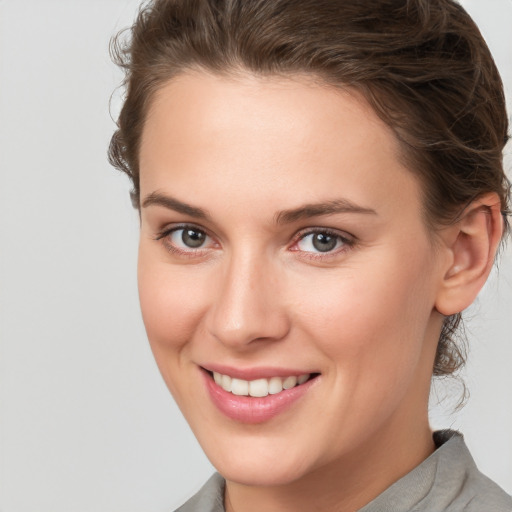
(347, 242)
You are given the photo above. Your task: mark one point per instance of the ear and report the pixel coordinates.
(472, 244)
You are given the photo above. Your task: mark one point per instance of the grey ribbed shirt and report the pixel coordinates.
(448, 481)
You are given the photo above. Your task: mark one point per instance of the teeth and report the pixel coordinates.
(289, 382)
(303, 378)
(226, 382)
(275, 385)
(258, 387)
(239, 387)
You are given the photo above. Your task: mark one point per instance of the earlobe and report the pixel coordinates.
(473, 244)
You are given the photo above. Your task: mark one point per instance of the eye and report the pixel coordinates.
(322, 241)
(186, 239)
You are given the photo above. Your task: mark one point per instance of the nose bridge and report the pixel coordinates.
(247, 305)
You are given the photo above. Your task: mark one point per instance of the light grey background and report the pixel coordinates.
(86, 423)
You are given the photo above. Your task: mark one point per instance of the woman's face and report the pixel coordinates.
(283, 240)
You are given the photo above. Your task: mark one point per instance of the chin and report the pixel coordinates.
(260, 474)
(259, 463)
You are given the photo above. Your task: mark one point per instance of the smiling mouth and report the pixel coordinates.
(266, 396)
(260, 388)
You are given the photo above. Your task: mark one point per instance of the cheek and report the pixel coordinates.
(370, 325)
(171, 304)
(371, 316)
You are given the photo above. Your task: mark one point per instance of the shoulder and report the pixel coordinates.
(469, 490)
(447, 481)
(458, 485)
(210, 497)
(481, 493)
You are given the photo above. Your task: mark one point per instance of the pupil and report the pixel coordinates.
(323, 242)
(192, 238)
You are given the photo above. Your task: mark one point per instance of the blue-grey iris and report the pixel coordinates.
(193, 238)
(323, 242)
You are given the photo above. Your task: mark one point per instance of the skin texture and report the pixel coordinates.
(366, 316)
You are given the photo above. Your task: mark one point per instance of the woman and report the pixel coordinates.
(321, 193)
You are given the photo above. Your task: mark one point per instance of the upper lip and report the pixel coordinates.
(260, 372)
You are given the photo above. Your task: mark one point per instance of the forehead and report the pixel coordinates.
(196, 104)
(269, 139)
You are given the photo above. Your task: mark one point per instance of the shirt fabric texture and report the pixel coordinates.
(447, 481)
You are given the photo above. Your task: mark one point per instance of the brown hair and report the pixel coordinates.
(422, 65)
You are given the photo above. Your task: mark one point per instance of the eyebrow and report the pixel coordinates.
(318, 209)
(155, 198)
(283, 217)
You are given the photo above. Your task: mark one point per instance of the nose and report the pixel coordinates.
(248, 304)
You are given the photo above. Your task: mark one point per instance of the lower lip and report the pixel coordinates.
(248, 409)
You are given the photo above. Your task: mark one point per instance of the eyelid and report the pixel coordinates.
(168, 229)
(347, 237)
